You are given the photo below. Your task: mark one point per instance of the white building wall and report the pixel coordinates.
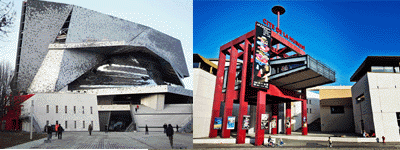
(385, 102)
(313, 107)
(203, 96)
(61, 100)
(296, 115)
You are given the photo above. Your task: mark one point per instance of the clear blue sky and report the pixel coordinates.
(339, 34)
(172, 17)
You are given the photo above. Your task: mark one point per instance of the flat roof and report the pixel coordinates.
(328, 88)
(374, 61)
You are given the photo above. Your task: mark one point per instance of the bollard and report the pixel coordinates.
(383, 139)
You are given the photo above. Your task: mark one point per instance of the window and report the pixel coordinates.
(310, 101)
(47, 121)
(83, 109)
(91, 110)
(398, 118)
(66, 124)
(196, 65)
(56, 108)
(92, 123)
(65, 109)
(384, 69)
(376, 68)
(74, 109)
(310, 111)
(75, 124)
(337, 109)
(83, 124)
(396, 69)
(47, 108)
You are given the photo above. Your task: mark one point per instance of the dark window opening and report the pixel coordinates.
(62, 34)
(337, 109)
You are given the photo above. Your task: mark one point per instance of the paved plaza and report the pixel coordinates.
(316, 140)
(112, 140)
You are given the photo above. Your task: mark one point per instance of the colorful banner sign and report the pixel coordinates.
(231, 123)
(246, 122)
(218, 123)
(264, 121)
(262, 46)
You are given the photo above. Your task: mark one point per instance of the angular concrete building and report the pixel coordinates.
(375, 97)
(65, 49)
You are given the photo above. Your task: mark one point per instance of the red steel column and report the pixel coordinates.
(259, 137)
(275, 112)
(304, 113)
(230, 91)
(288, 124)
(241, 134)
(218, 93)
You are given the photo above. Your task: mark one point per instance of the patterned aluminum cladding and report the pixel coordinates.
(45, 19)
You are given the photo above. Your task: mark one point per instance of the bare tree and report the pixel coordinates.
(6, 75)
(7, 18)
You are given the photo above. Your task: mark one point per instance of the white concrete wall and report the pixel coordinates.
(384, 96)
(313, 107)
(174, 114)
(114, 107)
(296, 115)
(41, 100)
(362, 110)
(203, 96)
(155, 101)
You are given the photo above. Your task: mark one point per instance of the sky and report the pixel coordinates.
(172, 17)
(339, 34)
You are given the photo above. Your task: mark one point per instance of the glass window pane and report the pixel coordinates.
(196, 65)
(396, 69)
(388, 69)
(376, 68)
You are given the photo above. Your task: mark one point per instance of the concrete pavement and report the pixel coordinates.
(112, 140)
(349, 137)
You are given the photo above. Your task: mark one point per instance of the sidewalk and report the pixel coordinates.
(112, 140)
(349, 137)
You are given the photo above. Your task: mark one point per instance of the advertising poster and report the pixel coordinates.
(218, 123)
(273, 123)
(231, 123)
(246, 122)
(264, 121)
(262, 46)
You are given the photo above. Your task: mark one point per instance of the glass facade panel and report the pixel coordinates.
(388, 69)
(376, 68)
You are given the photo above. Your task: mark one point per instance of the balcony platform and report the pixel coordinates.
(301, 72)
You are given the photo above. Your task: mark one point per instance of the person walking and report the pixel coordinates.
(177, 128)
(56, 128)
(60, 130)
(90, 129)
(49, 132)
(330, 142)
(170, 133)
(165, 127)
(147, 130)
(106, 130)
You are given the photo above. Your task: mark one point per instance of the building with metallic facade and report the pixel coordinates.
(67, 49)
